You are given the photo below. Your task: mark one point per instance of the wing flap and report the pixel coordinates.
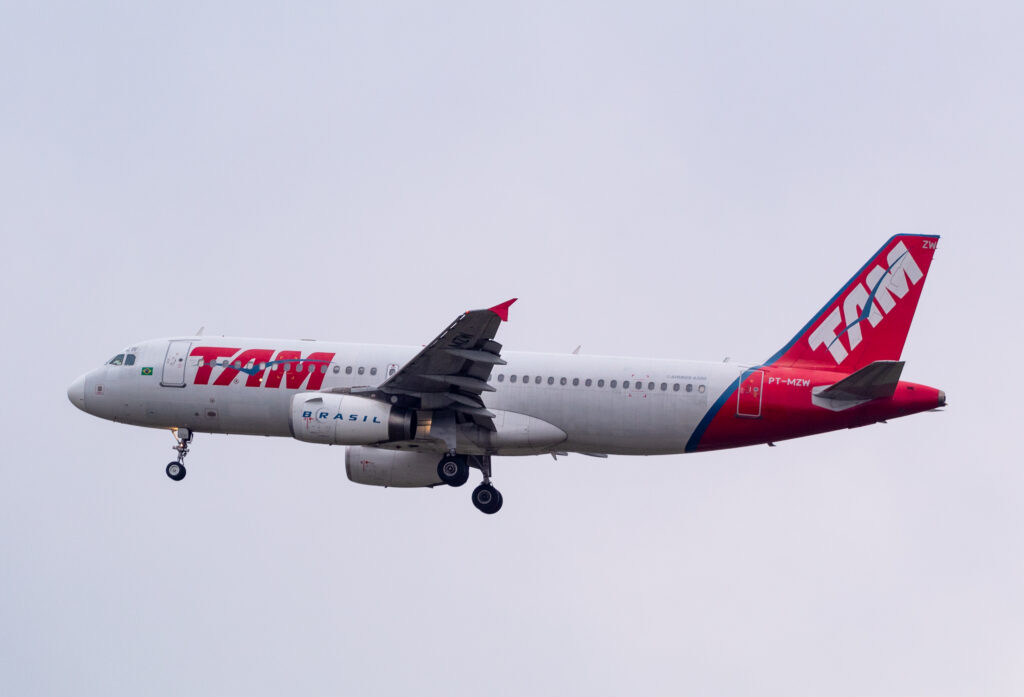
(478, 356)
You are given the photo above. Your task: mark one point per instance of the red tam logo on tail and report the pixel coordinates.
(869, 318)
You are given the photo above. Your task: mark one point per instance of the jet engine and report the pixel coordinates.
(344, 419)
(400, 468)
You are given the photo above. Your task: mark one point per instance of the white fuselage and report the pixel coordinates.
(598, 404)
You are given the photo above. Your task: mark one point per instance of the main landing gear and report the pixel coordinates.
(487, 499)
(176, 470)
(453, 469)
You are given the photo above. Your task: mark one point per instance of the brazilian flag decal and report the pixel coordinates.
(147, 371)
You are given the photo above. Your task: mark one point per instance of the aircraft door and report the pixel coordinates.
(748, 401)
(174, 364)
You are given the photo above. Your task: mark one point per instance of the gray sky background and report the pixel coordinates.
(673, 180)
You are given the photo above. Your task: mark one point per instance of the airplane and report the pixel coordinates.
(420, 417)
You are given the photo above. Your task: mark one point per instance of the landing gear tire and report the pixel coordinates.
(453, 470)
(176, 471)
(182, 437)
(487, 499)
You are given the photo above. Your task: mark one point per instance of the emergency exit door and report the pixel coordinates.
(748, 402)
(174, 364)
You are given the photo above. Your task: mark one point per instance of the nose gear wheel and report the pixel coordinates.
(176, 469)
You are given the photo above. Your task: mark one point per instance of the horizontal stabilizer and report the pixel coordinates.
(876, 381)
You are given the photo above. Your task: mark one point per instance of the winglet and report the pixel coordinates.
(502, 310)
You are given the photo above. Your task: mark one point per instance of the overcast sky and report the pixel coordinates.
(671, 180)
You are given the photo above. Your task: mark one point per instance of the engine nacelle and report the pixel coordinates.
(345, 419)
(401, 468)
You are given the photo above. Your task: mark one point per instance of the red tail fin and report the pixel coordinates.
(868, 319)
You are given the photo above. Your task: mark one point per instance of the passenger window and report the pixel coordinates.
(563, 381)
(551, 381)
(650, 386)
(323, 368)
(526, 379)
(337, 368)
(237, 365)
(348, 370)
(675, 387)
(501, 377)
(129, 359)
(664, 386)
(588, 383)
(600, 383)
(512, 378)
(537, 379)
(373, 371)
(361, 370)
(613, 384)
(575, 382)
(689, 387)
(700, 388)
(116, 360)
(639, 385)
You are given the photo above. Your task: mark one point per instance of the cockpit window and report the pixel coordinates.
(116, 360)
(129, 359)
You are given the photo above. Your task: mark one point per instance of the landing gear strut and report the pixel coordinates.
(176, 470)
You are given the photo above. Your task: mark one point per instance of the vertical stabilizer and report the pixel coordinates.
(868, 319)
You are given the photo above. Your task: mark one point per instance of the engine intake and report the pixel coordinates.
(344, 419)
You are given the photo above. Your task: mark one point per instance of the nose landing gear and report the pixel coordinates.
(176, 470)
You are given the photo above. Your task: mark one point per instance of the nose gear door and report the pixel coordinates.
(174, 364)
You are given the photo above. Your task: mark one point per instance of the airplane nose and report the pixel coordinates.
(76, 393)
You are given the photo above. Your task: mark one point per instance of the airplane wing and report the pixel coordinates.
(451, 372)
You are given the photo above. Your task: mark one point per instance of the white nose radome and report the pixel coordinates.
(76, 393)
